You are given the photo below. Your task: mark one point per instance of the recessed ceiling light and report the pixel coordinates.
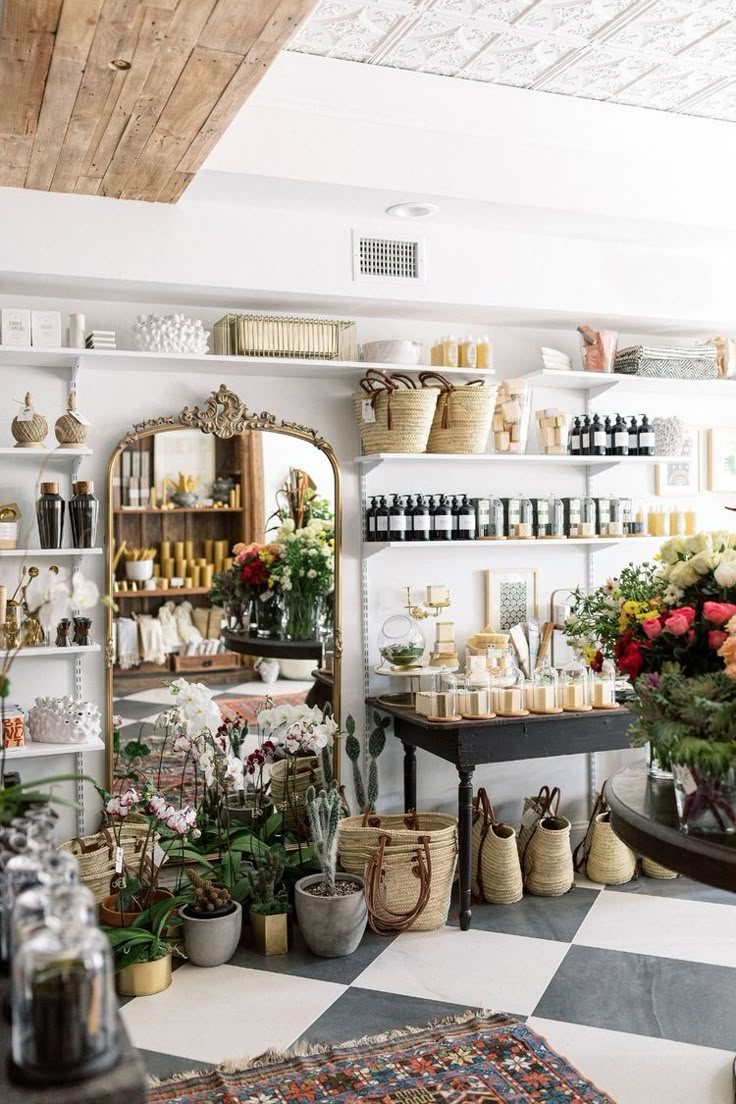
(120, 64)
(412, 210)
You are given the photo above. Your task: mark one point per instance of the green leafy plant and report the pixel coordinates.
(597, 620)
(366, 793)
(323, 814)
(267, 883)
(144, 940)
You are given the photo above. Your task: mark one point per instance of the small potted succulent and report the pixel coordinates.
(330, 907)
(269, 911)
(212, 923)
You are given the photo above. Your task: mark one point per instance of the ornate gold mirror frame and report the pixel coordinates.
(224, 416)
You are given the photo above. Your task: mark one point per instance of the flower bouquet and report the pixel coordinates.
(255, 563)
(304, 574)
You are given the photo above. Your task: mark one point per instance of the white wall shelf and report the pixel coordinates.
(132, 360)
(603, 381)
(371, 548)
(50, 553)
(374, 459)
(51, 650)
(35, 750)
(46, 455)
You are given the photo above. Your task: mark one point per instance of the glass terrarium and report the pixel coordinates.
(543, 696)
(69, 903)
(478, 695)
(508, 692)
(444, 702)
(64, 1005)
(603, 688)
(575, 688)
(401, 642)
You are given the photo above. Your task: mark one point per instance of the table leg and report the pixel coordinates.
(465, 843)
(410, 777)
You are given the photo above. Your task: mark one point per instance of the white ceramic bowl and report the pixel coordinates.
(392, 352)
(139, 570)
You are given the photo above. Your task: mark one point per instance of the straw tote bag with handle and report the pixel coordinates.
(546, 801)
(605, 858)
(96, 854)
(654, 869)
(464, 415)
(290, 780)
(393, 414)
(496, 867)
(544, 845)
(408, 863)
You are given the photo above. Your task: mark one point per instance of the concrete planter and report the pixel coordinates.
(212, 940)
(331, 926)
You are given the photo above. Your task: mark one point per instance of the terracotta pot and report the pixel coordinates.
(111, 915)
(142, 979)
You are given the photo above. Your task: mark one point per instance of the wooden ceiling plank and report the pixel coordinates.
(107, 43)
(26, 45)
(285, 21)
(88, 185)
(174, 187)
(201, 84)
(76, 30)
(234, 26)
(182, 34)
(15, 150)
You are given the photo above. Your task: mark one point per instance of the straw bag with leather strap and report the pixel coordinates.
(96, 854)
(464, 414)
(605, 858)
(544, 845)
(289, 784)
(393, 413)
(496, 867)
(408, 863)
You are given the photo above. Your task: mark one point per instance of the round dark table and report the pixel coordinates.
(278, 649)
(644, 815)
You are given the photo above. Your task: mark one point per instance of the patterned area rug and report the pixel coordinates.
(476, 1057)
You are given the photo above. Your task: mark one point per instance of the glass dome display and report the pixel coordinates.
(508, 692)
(64, 1005)
(401, 642)
(543, 695)
(575, 687)
(444, 701)
(588, 518)
(477, 696)
(68, 903)
(603, 689)
(496, 521)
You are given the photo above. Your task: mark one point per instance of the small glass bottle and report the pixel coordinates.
(646, 438)
(633, 437)
(575, 437)
(50, 516)
(483, 352)
(421, 525)
(676, 520)
(608, 428)
(468, 353)
(442, 520)
(397, 520)
(454, 501)
(83, 514)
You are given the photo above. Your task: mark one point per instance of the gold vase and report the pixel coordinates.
(142, 979)
(269, 933)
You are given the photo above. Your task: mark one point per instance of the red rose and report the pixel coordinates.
(631, 661)
(596, 664)
(686, 612)
(652, 627)
(717, 637)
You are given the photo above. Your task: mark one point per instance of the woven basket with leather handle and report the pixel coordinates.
(605, 858)
(289, 785)
(496, 867)
(464, 414)
(393, 414)
(96, 854)
(408, 862)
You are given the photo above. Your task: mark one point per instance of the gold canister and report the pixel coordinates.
(143, 979)
(269, 934)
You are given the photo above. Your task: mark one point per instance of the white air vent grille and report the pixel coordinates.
(389, 258)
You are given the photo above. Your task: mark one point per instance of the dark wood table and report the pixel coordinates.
(644, 815)
(277, 649)
(468, 744)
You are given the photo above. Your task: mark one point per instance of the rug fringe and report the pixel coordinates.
(308, 1050)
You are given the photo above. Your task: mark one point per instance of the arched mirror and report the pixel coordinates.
(223, 562)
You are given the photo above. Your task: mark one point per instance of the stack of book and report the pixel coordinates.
(132, 481)
(101, 339)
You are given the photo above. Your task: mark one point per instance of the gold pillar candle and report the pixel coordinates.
(227, 563)
(691, 523)
(188, 582)
(603, 694)
(231, 499)
(165, 547)
(573, 695)
(167, 568)
(206, 574)
(209, 551)
(201, 561)
(238, 496)
(196, 574)
(180, 567)
(178, 550)
(188, 550)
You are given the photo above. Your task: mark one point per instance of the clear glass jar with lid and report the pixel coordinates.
(64, 1007)
(401, 642)
(508, 692)
(603, 688)
(478, 695)
(68, 903)
(588, 518)
(544, 691)
(496, 520)
(575, 688)
(444, 700)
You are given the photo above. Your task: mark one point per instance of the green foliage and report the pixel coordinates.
(366, 793)
(266, 880)
(323, 814)
(595, 617)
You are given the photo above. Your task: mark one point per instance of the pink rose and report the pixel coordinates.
(677, 624)
(652, 628)
(716, 637)
(683, 611)
(719, 612)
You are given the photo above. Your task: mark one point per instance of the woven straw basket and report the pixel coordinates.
(403, 412)
(610, 861)
(547, 860)
(96, 854)
(408, 862)
(654, 869)
(496, 867)
(289, 794)
(464, 414)
(545, 802)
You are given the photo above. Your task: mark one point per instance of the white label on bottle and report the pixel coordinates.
(646, 440)
(382, 524)
(620, 438)
(25, 415)
(421, 523)
(397, 522)
(443, 522)
(466, 522)
(633, 438)
(371, 524)
(368, 413)
(119, 860)
(575, 441)
(599, 438)
(684, 776)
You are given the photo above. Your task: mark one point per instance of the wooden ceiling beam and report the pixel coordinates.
(127, 97)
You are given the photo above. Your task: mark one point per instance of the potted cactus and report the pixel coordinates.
(269, 911)
(330, 907)
(212, 923)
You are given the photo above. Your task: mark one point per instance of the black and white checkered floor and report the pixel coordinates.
(635, 985)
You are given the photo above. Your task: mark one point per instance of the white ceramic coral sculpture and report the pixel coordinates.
(170, 333)
(63, 721)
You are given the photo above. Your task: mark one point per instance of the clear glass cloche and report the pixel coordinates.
(444, 706)
(575, 687)
(401, 642)
(603, 688)
(478, 694)
(508, 692)
(543, 694)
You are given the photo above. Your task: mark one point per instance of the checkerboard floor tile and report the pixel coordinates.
(637, 988)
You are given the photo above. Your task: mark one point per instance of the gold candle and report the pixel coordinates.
(187, 582)
(188, 550)
(206, 574)
(196, 574)
(209, 551)
(178, 550)
(180, 567)
(227, 563)
(165, 550)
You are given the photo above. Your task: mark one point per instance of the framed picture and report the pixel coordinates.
(680, 478)
(511, 597)
(186, 450)
(722, 459)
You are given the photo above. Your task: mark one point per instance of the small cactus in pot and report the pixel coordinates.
(212, 923)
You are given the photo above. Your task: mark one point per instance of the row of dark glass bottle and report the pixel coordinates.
(443, 517)
(610, 435)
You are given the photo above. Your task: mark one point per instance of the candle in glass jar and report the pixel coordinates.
(508, 700)
(477, 703)
(543, 698)
(573, 695)
(602, 693)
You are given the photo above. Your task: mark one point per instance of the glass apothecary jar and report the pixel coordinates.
(588, 518)
(445, 699)
(556, 518)
(401, 642)
(496, 520)
(64, 1005)
(478, 696)
(508, 693)
(543, 695)
(525, 527)
(603, 689)
(575, 688)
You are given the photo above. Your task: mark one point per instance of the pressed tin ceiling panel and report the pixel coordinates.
(672, 55)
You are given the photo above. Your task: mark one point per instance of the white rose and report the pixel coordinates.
(725, 573)
(703, 562)
(699, 543)
(672, 550)
(683, 574)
